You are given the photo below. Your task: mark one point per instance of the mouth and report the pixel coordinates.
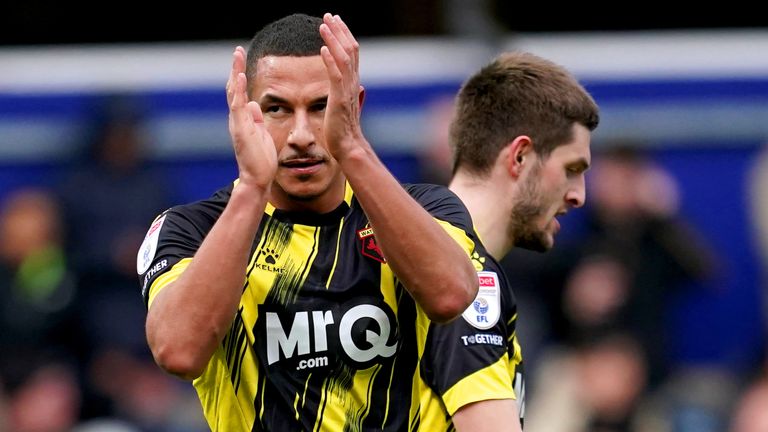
(556, 222)
(303, 165)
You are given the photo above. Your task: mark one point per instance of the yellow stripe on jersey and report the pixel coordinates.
(323, 401)
(166, 278)
(339, 398)
(389, 391)
(222, 404)
(360, 395)
(336, 254)
(421, 394)
(304, 395)
(348, 193)
(491, 382)
(511, 320)
(333, 418)
(459, 235)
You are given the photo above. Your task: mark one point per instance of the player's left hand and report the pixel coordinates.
(342, 113)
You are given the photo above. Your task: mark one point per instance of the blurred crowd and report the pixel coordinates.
(73, 356)
(593, 312)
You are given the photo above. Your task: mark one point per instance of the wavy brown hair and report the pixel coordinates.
(518, 93)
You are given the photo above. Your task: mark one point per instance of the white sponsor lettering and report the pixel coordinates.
(313, 363)
(321, 320)
(156, 268)
(483, 339)
(378, 342)
(298, 337)
(297, 340)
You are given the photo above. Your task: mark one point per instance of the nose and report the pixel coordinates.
(302, 134)
(577, 193)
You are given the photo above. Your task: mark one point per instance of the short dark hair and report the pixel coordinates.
(518, 93)
(296, 35)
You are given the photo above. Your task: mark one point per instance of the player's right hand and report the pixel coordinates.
(253, 145)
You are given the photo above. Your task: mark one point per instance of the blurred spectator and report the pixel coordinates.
(594, 387)
(37, 291)
(46, 399)
(635, 208)
(696, 399)
(111, 192)
(108, 197)
(595, 295)
(146, 396)
(435, 161)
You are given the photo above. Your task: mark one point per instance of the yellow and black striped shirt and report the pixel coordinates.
(325, 338)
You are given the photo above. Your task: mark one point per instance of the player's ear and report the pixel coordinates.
(517, 153)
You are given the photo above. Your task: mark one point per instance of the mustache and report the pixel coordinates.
(306, 157)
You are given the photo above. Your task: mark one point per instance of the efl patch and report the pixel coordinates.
(370, 248)
(149, 246)
(485, 310)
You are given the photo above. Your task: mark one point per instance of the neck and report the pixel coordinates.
(325, 202)
(490, 205)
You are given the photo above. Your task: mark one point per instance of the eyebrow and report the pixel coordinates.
(270, 98)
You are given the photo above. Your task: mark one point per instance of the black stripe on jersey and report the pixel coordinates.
(258, 421)
(309, 263)
(321, 410)
(407, 358)
(326, 237)
(235, 347)
(415, 421)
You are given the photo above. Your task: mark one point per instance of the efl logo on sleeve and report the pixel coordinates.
(485, 310)
(149, 246)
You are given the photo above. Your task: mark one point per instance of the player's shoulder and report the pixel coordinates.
(428, 191)
(434, 196)
(203, 210)
(442, 203)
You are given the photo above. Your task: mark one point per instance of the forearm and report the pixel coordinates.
(189, 318)
(495, 415)
(431, 265)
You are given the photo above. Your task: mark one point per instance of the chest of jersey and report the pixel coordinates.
(315, 299)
